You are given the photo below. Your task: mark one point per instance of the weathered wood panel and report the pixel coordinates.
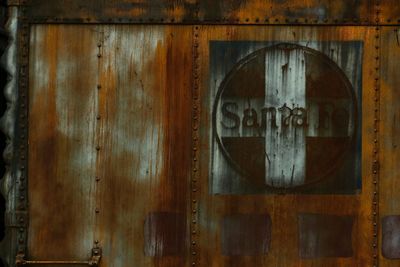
(284, 209)
(389, 204)
(62, 154)
(144, 139)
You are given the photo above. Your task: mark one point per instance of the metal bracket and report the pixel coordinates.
(94, 260)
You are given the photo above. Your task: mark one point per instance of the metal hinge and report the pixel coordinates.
(94, 260)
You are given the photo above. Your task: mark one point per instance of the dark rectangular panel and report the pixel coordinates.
(164, 235)
(391, 237)
(323, 236)
(245, 234)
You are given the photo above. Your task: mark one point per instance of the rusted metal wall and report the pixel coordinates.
(202, 133)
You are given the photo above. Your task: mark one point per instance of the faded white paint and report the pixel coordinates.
(285, 145)
(140, 134)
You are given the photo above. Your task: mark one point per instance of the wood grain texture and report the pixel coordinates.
(144, 136)
(389, 129)
(284, 209)
(63, 67)
(109, 142)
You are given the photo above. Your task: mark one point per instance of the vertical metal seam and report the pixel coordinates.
(195, 148)
(22, 126)
(375, 165)
(97, 138)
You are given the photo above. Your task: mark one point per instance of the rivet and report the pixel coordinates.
(99, 55)
(21, 230)
(97, 148)
(98, 86)
(194, 200)
(194, 232)
(97, 210)
(98, 117)
(97, 179)
(99, 45)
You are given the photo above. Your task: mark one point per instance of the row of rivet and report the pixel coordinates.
(375, 166)
(307, 21)
(23, 61)
(97, 139)
(195, 142)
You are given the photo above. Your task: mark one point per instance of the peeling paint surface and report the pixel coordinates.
(110, 143)
(276, 108)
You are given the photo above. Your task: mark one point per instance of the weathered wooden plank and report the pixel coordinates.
(389, 204)
(62, 155)
(283, 209)
(144, 138)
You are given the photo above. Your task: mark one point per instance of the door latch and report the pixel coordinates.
(93, 261)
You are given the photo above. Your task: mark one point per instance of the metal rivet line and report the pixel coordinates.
(195, 145)
(375, 141)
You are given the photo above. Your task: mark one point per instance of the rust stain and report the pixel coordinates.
(254, 11)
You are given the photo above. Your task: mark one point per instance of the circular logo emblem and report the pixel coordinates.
(285, 116)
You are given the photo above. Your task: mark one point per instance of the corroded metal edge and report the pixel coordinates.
(376, 141)
(7, 124)
(194, 10)
(195, 147)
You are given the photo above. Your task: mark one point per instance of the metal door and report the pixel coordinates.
(202, 133)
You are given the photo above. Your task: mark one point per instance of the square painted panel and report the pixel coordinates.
(245, 234)
(286, 117)
(391, 237)
(322, 236)
(164, 234)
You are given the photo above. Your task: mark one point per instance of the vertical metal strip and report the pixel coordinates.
(195, 149)
(98, 136)
(22, 129)
(375, 165)
(8, 126)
